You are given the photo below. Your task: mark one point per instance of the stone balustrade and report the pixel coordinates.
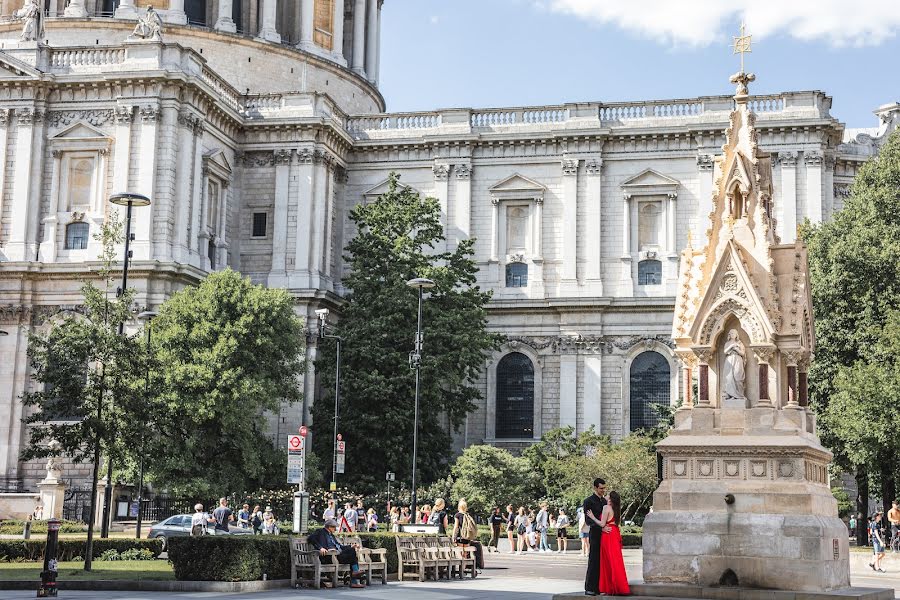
(73, 58)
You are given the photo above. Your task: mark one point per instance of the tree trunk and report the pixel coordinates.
(862, 505)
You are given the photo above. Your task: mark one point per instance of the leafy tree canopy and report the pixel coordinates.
(487, 476)
(400, 237)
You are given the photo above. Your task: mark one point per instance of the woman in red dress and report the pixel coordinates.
(613, 579)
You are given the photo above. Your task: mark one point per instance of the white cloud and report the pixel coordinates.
(702, 22)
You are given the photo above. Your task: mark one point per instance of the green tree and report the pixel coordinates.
(400, 237)
(556, 445)
(855, 279)
(227, 351)
(487, 476)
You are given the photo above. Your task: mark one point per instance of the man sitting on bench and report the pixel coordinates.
(324, 541)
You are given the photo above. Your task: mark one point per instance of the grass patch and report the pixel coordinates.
(136, 570)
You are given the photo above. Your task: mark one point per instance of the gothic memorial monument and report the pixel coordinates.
(745, 497)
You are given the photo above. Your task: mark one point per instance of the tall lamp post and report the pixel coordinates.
(147, 316)
(322, 313)
(415, 362)
(129, 200)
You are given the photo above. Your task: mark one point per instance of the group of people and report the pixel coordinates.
(878, 535)
(527, 530)
(222, 518)
(351, 518)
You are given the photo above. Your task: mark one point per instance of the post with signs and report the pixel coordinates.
(296, 473)
(48, 575)
(389, 477)
(341, 449)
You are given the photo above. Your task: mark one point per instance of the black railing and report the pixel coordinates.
(77, 505)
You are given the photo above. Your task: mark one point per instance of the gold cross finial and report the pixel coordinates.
(742, 45)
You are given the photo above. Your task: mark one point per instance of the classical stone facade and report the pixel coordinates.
(257, 128)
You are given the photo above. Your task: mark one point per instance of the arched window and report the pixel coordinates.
(649, 272)
(515, 397)
(516, 275)
(649, 387)
(77, 236)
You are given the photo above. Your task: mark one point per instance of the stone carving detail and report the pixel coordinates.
(463, 171)
(28, 116)
(570, 166)
(63, 118)
(758, 468)
(744, 315)
(258, 159)
(786, 469)
(788, 159)
(706, 467)
(732, 468)
(124, 114)
(813, 159)
(282, 157)
(150, 114)
(305, 156)
(593, 166)
(33, 21)
(705, 162)
(149, 27)
(680, 468)
(441, 172)
(4, 117)
(734, 375)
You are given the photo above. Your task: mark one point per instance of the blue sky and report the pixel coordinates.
(487, 53)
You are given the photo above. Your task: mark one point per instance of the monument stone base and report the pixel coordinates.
(690, 592)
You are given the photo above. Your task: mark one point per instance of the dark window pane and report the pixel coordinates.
(649, 272)
(649, 384)
(516, 275)
(77, 236)
(259, 224)
(515, 397)
(211, 253)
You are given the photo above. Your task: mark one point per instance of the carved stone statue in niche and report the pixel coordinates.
(149, 27)
(734, 371)
(33, 17)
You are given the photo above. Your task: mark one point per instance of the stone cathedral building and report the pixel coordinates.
(255, 125)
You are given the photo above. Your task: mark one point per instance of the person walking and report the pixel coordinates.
(360, 516)
(613, 580)
(894, 519)
(510, 527)
(542, 524)
(243, 520)
(439, 516)
(349, 518)
(521, 530)
(256, 520)
(496, 520)
(200, 520)
(583, 531)
(223, 515)
(465, 531)
(324, 541)
(371, 521)
(562, 522)
(877, 543)
(593, 510)
(395, 519)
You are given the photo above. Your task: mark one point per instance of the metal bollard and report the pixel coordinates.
(26, 532)
(48, 575)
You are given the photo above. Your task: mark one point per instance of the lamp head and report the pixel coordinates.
(322, 313)
(148, 315)
(3, 332)
(420, 283)
(129, 198)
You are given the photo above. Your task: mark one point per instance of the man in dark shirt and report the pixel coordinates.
(223, 515)
(593, 508)
(324, 541)
(495, 521)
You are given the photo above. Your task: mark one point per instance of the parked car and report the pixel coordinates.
(180, 526)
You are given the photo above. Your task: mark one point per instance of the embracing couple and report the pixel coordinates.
(606, 567)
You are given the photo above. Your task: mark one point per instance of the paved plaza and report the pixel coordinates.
(526, 577)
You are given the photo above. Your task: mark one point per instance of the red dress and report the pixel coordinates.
(613, 580)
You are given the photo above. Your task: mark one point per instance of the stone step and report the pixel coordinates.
(648, 591)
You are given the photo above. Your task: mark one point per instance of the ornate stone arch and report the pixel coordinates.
(645, 345)
(715, 321)
(490, 421)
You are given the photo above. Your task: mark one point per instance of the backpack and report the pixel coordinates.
(468, 530)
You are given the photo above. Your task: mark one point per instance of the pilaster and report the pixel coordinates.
(626, 277)
(568, 390)
(814, 200)
(787, 229)
(22, 244)
(441, 173)
(569, 222)
(593, 216)
(705, 164)
(372, 40)
(142, 220)
(278, 273)
(187, 123)
(463, 204)
(48, 247)
(305, 219)
(321, 187)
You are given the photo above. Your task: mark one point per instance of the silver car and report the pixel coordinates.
(180, 526)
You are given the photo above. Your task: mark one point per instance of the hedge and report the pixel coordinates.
(16, 527)
(33, 550)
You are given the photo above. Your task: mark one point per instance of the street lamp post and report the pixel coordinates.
(322, 314)
(128, 200)
(147, 316)
(415, 361)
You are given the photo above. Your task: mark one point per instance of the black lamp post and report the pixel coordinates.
(415, 362)
(147, 316)
(128, 200)
(322, 314)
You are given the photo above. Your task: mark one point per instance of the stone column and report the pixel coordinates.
(126, 10)
(627, 278)
(814, 160)
(538, 229)
(305, 216)
(75, 9)
(337, 47)
(142, 218)
(704, 355)
(377, 77)
(282, 161)
(569, 199)
(268, 31)
(5, 115)
(359, 37)
(671, 240)
(495, 230)
(592, 395)
(688, 360)
(321, 174)
(788, 221)
(196, 226)
(792, 357)
(372, 41)
(21, 245)
(593, 207)
(176, 13)
(441, 193)
(183, 180)
(51, 221)
(307, 25)
(763, 358)
(803, 382)
(224, 22)
(463, 203)
(828, 186)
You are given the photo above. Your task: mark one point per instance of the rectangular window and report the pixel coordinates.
(77, 236)
(259, 224)
(323, 24)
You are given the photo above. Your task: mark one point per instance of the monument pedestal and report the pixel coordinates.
(53, 495)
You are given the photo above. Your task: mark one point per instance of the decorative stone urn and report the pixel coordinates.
(745, 498)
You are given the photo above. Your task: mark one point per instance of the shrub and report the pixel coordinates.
(16, 526)
(33, 550)
(230, 558)
(130, 554)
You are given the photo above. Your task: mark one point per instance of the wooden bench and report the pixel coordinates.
(415, 559)
(308, 566)
(372, 561)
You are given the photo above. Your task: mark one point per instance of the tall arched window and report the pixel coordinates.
(650, 386)
(77, 236)
(515, 397)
